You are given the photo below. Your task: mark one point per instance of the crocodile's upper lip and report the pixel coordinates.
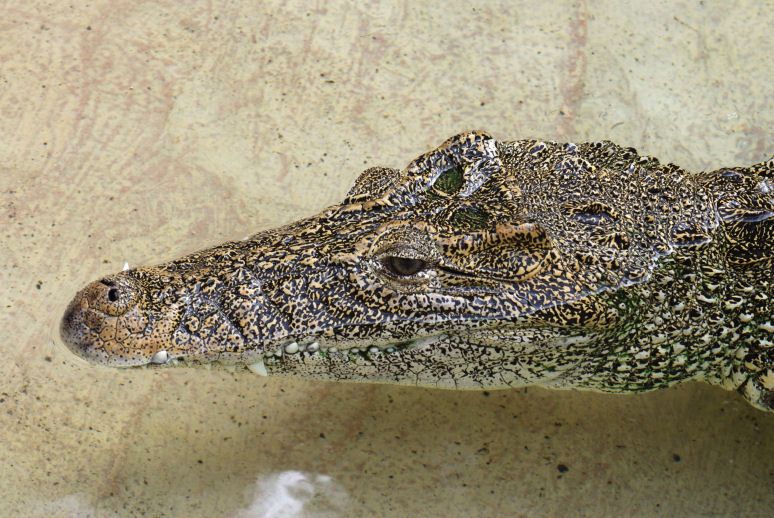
(163, 358)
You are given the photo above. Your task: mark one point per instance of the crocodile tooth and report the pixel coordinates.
(313, 347)
(291, 348)
(126, 266)
(259, 368)
(424, 341)
(160, 357)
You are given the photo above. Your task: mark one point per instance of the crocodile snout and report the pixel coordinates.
(95, 321)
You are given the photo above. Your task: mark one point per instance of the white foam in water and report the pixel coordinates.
(291, 494)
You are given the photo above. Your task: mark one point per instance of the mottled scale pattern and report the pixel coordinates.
(482, 264)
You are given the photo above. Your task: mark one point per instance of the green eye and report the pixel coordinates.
(451, 180)
(404, 266)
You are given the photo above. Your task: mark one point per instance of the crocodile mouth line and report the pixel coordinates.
(257, 364)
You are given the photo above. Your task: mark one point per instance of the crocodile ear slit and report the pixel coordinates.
(523, 251)
(523, 236)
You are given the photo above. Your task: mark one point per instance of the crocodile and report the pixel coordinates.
(483, 264)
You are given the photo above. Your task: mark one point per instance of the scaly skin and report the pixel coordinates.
(483, 264)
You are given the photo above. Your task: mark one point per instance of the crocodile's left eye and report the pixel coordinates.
(404, 266)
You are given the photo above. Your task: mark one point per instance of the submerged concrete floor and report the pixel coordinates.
(138, 131)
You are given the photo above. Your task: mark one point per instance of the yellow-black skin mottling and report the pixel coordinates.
(482, 264)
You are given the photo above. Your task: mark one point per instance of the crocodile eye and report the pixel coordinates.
(404, 266)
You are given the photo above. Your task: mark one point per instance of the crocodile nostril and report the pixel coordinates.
(112, 295)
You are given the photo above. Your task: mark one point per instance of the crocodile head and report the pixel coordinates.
(481, 264)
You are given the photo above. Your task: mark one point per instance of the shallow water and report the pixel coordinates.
(139, 132)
